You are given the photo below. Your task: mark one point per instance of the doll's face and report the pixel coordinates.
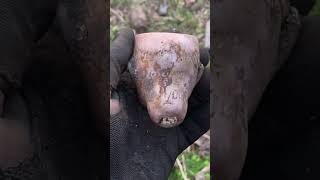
(166, 68)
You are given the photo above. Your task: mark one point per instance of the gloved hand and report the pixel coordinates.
(17, 157)
(139, 149)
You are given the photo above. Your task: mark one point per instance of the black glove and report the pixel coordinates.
(139, 149)
(17, 158)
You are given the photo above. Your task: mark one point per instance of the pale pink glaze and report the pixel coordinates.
(166, 67)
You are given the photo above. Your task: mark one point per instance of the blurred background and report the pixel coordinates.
(316, 9)
(181, 16)
(184, 16)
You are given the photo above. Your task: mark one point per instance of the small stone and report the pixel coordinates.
(163, 8)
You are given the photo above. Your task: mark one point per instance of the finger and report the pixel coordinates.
(114, 103)
(201, 92)
(15, 131)
(204, 56)
(4, 88)
(195, 125)
(197, 121)
(120, 53)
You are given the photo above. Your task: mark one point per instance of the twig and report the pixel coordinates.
(184, 176)
(184, 163)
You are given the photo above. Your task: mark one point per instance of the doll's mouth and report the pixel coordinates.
(168, 122)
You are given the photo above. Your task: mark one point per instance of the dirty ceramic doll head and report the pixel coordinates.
(166, 67)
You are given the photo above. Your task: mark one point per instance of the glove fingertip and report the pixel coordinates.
(126, 33)
(204, 56)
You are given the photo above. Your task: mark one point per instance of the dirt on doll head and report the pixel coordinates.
(166, 67)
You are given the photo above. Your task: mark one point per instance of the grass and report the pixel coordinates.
(113, 32)
(116, 3)
(180, 18)
(190, 164)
